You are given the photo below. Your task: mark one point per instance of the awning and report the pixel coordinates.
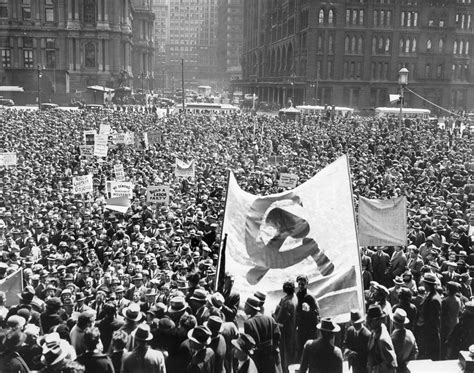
(100, 88)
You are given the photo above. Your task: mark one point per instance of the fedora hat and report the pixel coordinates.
(13, 340)
(199, 295)
(375, 312)
(53, 353)
(214, 324)
(328, 325)
(132, 313)
(261, 296)
(469, 307)
(143, 333)
(398, 280)
(244, 343)
(177, 304)
(253, 303)
(217, 300)
(356, 317)
(430, 278)
(400, 317)
(200, 335)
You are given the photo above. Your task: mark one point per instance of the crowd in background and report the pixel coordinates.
(136, 292)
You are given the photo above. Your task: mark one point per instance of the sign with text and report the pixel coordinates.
(119, 172)
(104, 129)
(119, 188)
(101, 145)
(141, 140)
(158, 194)
(275, 159)
(89, 137)
(154, 137)
(82, 184)
(184, 169)
(8, 159)
(86, 150)
(288, 180)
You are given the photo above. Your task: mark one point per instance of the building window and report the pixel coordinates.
(51, 59)
(439, 71)
(6, 58)
(3, 9)
(441, 46)
(49, 2)
(27, 58)
(331, 17)
(427, 70)
(321, 16)
(49, 14)
(428, 45)
(89, 11)
(26, 13)
(90, 55)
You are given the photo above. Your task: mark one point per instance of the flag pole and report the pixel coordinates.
(222, 240)
(357, 234)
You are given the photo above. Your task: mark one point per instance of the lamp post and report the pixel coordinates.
(39, 75)
(402, 81)
(292, 82)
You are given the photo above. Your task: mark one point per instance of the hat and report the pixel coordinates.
(27, 294)
(302, 277)
(398, 280)
(253, 303)
(200, 335)
(375, 312)
(469, 307)
(138, 276)
(143, 333)
(16, 322)
(217, 300)
(177, 304)
(400, 317)
(453, 285)
(451, 264)
(120, 289)
(261, 296)
(244, 343)
(214, 324)
(150, 292)
(199, 295)
(404, 293)
(439, 228)
(430, 278)
(166, 324)
(53, 353)
(328, 325)
(54, 303)
(356, 317)
(13, 340)
(132, 312)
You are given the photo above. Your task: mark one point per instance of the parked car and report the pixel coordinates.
(6, 102)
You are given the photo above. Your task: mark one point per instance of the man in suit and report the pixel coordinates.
(321, 355)
(450, 274)
(231, 298)
(415, 262)
(356, 343)
(398, 262)
(450, 310)
(244, 347)
(266, 333)
(143, 359)
(380, 264)
(203, 358)
(428, 323)
(403, 341)
(417, 236)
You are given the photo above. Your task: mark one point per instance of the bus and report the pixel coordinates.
(317, 109)
(204, 90)
(406, 112)
(206, 108)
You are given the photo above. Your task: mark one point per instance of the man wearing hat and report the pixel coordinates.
(321, 355)
(381, 356)
(356, 343)
(462, 336)
(403, 341)
(415, 262)
(231, 298)
(244, 348)
(10, 360)
(451, 307)
(380, 265)
(218, 344)
(428, 323)
(266, 333)
(203, 358)
(307, 314)
(133, 316)
(143, 359)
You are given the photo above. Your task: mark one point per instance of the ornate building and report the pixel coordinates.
(349, 52)
(71, 44)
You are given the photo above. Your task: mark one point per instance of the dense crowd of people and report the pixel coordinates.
(139, 292)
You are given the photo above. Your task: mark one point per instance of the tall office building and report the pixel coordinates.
(350, 52)
(73, 44)
(229, 39)
(186, 30)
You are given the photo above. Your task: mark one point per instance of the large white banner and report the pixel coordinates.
(101, 145)
(82, 184)
(183, 169)
(309, 230)
(8, 159)
(383, 222)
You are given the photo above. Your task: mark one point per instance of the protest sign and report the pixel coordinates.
(158, 194)
(101, 145)
(141, 140)
(119, 172)
(8, 159)
(184, 169)
(275, 159)
(288, 180)
(82, 184)
(104, 129)
(89, 137)
(154, 137)
(119, 204)
(86, 150)
(119, 189)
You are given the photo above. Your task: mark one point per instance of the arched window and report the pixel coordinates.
(402, 43)
(466, 48)
(89, 11)
(387, 45)
(461, 46)
(90, 55)
(320, 43)
(441, 45)
(428, 45)
(321, 17)
(359, 45)
(380, 46)
(330, 44)
(331, 17)
(413, 45)
(353, 44)
(382, 18)
(346, 44)
(374, 44)
(407, 46)
(403, 19)
(455, 47)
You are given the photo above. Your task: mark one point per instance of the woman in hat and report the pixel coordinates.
(321, 355)
(243, 350)
(403, 341)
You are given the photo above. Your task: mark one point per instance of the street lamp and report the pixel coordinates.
(402, 81)
(292, 82)
(39, 75)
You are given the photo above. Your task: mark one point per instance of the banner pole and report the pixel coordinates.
(223, 244)
(357, 235)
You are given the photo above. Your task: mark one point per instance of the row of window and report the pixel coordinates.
(28, 62)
